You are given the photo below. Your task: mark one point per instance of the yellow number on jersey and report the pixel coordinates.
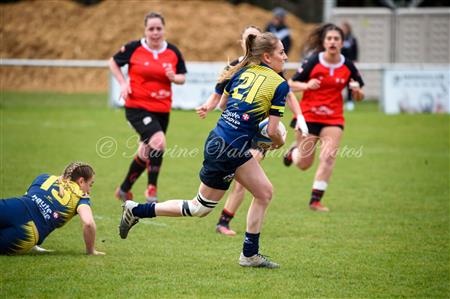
(249, 79)
(51, 182)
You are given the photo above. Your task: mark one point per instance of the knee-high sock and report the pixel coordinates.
(155, 161)
(251, 244)
(137, 166)
(318, 190)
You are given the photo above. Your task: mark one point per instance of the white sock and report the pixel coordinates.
(320, 185)
(295, 155)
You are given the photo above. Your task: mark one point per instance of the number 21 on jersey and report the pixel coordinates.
(249, 81)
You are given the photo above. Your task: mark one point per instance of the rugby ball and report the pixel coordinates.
(262, 139)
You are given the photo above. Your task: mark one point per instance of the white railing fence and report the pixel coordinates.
(396, 86)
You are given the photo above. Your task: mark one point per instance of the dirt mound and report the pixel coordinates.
(203, 30)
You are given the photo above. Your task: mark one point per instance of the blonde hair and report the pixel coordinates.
(78, 169)
(255, 47)
(73, 172)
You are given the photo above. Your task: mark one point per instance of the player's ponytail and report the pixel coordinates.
(231, 70)
(75, 170)
(255, 47)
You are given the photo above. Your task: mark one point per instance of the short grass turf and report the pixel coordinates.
(387, 235)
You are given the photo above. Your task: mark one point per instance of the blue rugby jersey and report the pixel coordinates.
(47, 208)
(254, 93)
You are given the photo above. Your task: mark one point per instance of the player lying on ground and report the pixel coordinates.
(49, 203)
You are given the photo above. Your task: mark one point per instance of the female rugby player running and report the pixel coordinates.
(237, 194)
(322, 77)
(255, 91)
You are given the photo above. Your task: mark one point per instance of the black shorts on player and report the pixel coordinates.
(313, 127)
(147, 123)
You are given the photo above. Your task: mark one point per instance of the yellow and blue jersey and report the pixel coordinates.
(254, 93)
(49, 210)
(48, 204)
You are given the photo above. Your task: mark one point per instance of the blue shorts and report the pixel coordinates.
(18, 232)
(220, 162)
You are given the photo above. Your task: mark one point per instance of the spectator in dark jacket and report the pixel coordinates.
(350, 51)
(278, 27)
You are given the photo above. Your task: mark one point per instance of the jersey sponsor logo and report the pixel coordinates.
(43, 207)
(231, 118)
(322, 110)
(160, 94)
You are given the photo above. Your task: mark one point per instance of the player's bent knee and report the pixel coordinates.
(198, 207)
(264, 193)
(143, 151)
(158, 141)
(304, 166)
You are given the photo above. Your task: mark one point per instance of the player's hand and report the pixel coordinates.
(202, 111)
(277, 144)
(357, 93)
(301, 125)
(313, 84)
(169, 72)
(125, 90)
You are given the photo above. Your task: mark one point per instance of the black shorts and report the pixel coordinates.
(147, 123)
(220, 162)
(314, 128)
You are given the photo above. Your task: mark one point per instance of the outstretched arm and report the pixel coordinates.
(209, 105)
(312, 84)
(89, 229)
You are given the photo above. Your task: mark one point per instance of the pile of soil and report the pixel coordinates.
(202, 30)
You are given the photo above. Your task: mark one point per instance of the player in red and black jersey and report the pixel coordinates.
(322, 77)
(153, 65)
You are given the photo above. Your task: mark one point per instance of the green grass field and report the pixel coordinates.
(387, 235)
